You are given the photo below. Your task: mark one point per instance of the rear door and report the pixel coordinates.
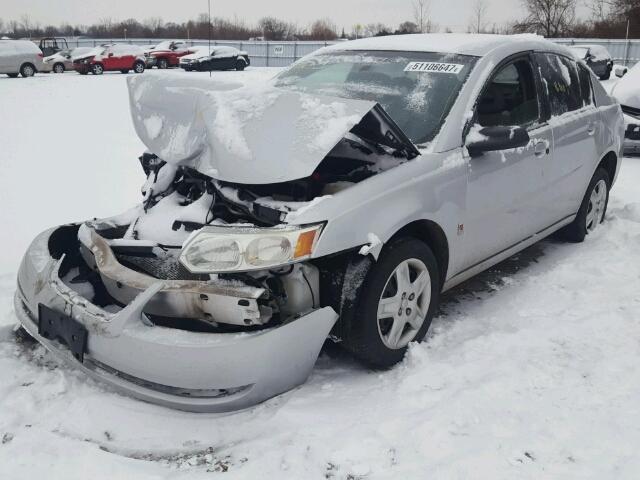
(575, 123)
(504, 192)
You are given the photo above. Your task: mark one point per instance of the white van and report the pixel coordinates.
(20, 57)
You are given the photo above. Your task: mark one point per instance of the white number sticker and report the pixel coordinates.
(434, 67)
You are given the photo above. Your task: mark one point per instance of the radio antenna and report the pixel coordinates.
(209, 4)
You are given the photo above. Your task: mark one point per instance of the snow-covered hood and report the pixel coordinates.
(627, 90)
(235, 133)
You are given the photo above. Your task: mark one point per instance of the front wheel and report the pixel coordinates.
(397, 302)
(97, 69)
(241, 65)
(58, 68)
(138, 67)
(163, 64)
(592, 210)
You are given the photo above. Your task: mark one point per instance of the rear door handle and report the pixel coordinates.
(541, 148)
(591, 129)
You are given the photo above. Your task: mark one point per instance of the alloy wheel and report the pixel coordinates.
(597, 205)
(404, 303)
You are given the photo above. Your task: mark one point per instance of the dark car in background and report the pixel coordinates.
(596, 57)
(219, 58)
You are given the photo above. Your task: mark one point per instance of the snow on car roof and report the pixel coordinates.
(460, 43)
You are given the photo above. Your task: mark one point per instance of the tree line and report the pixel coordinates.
(551, 18)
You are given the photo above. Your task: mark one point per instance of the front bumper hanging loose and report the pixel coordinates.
(193, 371)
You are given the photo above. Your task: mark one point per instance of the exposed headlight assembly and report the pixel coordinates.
(240, 249)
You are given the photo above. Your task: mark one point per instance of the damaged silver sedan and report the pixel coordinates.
(336, 201)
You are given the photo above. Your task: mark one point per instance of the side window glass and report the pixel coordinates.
(585, 86)
(560, 77)
(510, 99)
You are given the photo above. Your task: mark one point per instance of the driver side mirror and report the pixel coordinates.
(110, 55)
(489, 139)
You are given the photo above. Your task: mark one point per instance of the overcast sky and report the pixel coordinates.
(345, 13)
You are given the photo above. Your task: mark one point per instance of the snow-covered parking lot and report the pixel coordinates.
(530, 371)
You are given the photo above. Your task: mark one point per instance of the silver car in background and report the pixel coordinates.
(62, 61)
(20, 57)
(337, 201)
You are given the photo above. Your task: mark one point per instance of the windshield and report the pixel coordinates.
(416, 89)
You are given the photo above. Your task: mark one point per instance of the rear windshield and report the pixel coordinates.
(417, 89)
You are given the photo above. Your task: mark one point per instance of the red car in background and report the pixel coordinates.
(111, 58)
(167, 54)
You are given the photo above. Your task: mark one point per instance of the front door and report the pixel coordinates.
(504, 187)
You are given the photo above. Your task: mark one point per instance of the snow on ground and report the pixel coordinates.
(530, 371)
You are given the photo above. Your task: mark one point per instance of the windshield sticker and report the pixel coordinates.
(435, 67)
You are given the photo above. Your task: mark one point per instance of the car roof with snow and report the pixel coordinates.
(477, 45)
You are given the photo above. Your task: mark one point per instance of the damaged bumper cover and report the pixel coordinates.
(193, 371)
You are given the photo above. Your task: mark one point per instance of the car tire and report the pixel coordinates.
(97, 69)
(240, 65)
(12, 75)
(138, 67)
(124, 71)
(58, 68)
(27, 70)
(394, 308)
(163, 64)
(592, 209)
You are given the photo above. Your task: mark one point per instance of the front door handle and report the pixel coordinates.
(591, 129)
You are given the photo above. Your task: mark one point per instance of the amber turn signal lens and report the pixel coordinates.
(304, 247)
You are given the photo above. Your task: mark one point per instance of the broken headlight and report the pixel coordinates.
(239, 249)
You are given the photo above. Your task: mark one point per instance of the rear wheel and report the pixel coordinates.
(163, 63)
(592, 210)
(240, 64)
(58, 68)
(97, 69)
(27, 70)
(138, 67)
(397, 302)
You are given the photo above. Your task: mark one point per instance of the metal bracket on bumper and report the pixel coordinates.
(202, 372)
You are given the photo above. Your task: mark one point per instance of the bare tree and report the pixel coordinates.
(323, 29)
(478, 20)
(376, 30)
(357, 31)
(421, 10)
(551, 18)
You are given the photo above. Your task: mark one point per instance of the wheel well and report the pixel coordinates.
(610, 163)
(432, 234)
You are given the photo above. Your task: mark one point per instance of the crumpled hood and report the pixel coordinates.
(627, 90)
(235, 133)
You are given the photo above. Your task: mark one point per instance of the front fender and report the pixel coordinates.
(430, 187)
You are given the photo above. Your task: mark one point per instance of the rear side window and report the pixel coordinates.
(585, 85)
(560, 76)
(510, 98)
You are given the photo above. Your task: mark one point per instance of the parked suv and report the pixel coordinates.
(343, 196)
(20, 57)
(627, 92)
(596, 57)
(110, 58)
(167, 54)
